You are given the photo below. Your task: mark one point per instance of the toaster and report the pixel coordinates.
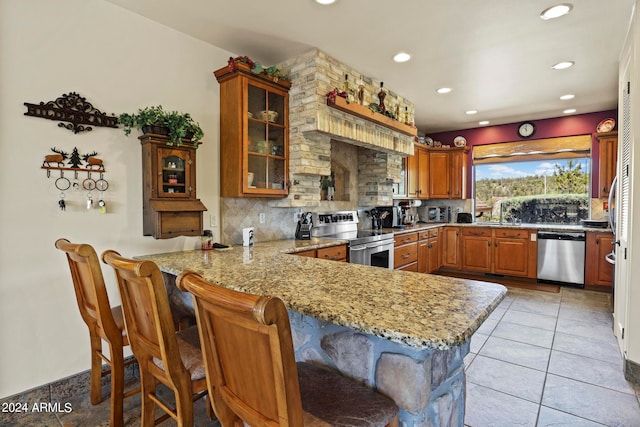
(464, 218)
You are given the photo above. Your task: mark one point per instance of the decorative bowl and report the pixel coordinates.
(268, 115)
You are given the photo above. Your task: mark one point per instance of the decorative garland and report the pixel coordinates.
(257, 68)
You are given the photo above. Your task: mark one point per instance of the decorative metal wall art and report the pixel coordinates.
(74, 161)
(74, 109)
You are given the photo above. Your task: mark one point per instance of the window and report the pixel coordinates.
(534, 182)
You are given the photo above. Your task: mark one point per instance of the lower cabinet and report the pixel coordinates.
(450, 238)
(333, 253)
(598, 271)
(311, 253)
(429, 251)
(501, 251)
(405, 253)
(511, 252)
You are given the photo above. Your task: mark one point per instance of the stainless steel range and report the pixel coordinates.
(366, 247)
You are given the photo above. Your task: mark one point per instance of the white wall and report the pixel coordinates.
(119, 61)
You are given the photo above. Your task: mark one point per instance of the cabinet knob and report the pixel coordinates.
(597, 241)
(496, 244)
(604, 189)
(489, 244)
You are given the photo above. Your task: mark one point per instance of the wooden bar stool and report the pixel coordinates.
(251, 370)
(173, 359)
(104, 323)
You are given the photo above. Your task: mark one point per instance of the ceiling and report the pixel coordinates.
(495, 54)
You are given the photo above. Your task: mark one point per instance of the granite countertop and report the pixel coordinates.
(561, 227)
(414, 309)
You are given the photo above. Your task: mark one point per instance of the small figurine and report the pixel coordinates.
(381, 95)
(62, 205)
(361, 92)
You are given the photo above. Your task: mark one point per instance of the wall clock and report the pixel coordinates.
(526, 129)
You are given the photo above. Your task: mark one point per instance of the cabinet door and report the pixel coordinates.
(412, 175)
(451, 247)
(476, 253)
(458, 175)
(597, 270)
(434, 255)
(511, 256)
(608, 162)
(266, 145)
(175, 173)
(423, 174)
(439, 175)
(423, 256)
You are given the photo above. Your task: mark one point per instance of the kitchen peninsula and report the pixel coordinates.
(404, 333)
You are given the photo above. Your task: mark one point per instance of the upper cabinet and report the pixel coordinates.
(254, 134)
(417, 173)
(608, 161)
(447, 173)
(437, 173)
(170, 206)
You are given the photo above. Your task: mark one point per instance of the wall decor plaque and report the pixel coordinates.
(74, 109)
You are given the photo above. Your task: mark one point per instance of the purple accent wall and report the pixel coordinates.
(580, 124)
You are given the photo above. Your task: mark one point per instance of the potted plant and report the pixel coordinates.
(177, 126)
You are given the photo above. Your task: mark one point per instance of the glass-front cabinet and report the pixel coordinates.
(170, 207)
(174, 179)
(254, 134)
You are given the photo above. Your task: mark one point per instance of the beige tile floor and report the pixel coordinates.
(541, 359)
(548, 359)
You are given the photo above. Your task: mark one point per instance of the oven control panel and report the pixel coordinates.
(333, 218)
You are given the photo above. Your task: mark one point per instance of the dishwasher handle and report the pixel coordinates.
(561, 235)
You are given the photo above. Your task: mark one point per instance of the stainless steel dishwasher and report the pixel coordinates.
(561, 256)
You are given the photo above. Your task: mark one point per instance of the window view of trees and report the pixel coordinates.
(533, 192)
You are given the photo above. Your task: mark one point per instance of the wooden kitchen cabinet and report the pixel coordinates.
(450, 238)
(511, 252)
(598, 272)
(333, 253)
(311, 253)
(608, 161)
(170, 207)
(429, 257)
(503, 251)
(418, 174)
(477, 249)
(405, 253)
(254, 134)
(447, 173)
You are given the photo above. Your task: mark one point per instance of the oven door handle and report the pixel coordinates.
(358, 248)
(378, 244)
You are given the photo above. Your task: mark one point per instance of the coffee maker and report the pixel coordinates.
(393, 217)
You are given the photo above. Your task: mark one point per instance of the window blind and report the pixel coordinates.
(565, 147)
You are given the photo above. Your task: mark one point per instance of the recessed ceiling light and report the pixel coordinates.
(570, 111)
(556, 11)
(563, 65)
(471, 112)
(402, 57)
(325, 2)
(567, 96)
(483, 123)
(444, 90)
